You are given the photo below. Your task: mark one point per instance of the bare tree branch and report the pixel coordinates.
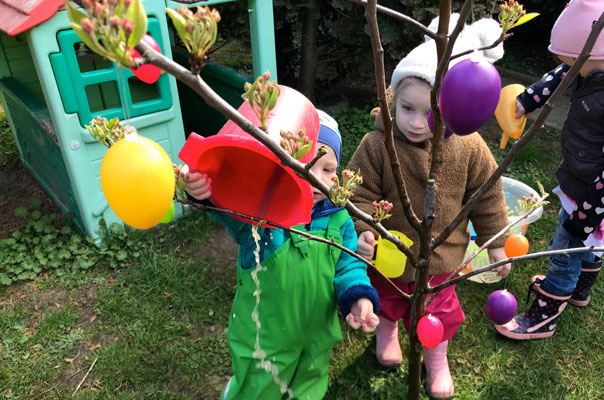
(195, 82)
(329, 242)
(398, 16)
(378, 62)
(491, 46)
(513, 259)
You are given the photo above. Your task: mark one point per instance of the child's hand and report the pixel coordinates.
(198, 185)
(498, 254)
(520, 111)
(361, 315)
(365, 245)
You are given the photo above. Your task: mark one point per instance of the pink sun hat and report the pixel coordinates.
(573, 26)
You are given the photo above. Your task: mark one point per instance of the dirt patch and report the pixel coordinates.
(18, 189)
(220, 251)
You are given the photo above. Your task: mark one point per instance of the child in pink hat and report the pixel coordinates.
(569, 278)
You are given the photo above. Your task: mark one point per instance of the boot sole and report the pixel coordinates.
(389, 365)
(523, 336)
(580, 303)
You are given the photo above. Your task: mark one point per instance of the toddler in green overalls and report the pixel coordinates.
(284, 352)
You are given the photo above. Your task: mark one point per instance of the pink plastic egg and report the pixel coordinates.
(501, 307)
(147, 73)
(430, 331)
(469, 95)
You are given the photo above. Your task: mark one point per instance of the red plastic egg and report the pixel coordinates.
(430, 331)
(469, 95)
(501, 306)
(147, 73)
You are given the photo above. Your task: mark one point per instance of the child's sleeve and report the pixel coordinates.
(589, 212)
(351, 281)
(539, 92)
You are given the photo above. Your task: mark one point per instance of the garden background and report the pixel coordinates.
(148, 310)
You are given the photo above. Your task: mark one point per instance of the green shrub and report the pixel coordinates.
(44, 244)
(9, 156)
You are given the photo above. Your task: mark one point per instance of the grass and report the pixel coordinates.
(156, 328)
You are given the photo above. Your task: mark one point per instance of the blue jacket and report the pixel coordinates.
(350, 281)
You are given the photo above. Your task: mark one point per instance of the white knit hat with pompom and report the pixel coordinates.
(421, 61)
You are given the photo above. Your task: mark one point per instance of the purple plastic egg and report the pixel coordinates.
(501, 307)
(469, 95)
(431, 125)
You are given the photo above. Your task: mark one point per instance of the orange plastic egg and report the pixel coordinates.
(138, 181)
(516, 246)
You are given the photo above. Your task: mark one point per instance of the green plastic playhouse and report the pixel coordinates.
(51, 87)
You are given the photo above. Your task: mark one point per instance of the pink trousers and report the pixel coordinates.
(445, 305)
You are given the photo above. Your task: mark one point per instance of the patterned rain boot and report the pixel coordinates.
(582, 294)
(439, 384)
(388, 349)
(540, 320)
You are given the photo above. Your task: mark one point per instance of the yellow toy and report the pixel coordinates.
(505, 113)
(388, 258)
(137, 178)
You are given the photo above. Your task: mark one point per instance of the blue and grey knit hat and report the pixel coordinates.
(329, 133)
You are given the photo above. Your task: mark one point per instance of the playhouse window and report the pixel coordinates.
(141, 91)
(88, 60)
(102, 96)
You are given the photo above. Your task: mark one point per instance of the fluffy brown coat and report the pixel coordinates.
(467, 164)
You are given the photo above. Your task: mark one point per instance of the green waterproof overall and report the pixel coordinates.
(299, 323)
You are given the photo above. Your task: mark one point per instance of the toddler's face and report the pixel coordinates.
(325, 169)
(590, 65)
(412, 107)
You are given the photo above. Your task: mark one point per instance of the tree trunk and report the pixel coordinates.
(308, 50)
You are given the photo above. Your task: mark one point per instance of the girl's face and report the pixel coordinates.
(590, 65)
(325, 169)
(412, 107)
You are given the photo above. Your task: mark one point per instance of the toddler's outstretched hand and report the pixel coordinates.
(498, 254)
(520, 111)
(365, 245)
(198, 185)
(361, 315)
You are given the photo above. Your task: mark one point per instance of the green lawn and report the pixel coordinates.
(150, 318)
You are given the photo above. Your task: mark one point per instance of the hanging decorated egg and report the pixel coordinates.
(516, 245)
(430, 331)
(137, 179)
(469, 95)
(506, 113)
(147, 73)
(431, 125)
(501, 307)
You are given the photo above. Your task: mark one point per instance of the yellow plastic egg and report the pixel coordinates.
(388, 258)
(138, 181)
(505, 113)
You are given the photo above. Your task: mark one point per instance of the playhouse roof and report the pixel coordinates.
(17, 16)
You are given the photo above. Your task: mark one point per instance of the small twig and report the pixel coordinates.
(84, 378)
(492, 46)
(401, 17)
(511, 260)
(320, 153)
(464, 264)
(53, 387)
